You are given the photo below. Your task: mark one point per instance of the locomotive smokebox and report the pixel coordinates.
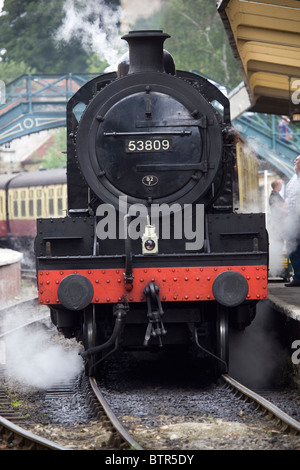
(146, 50)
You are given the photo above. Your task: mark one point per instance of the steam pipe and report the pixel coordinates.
(115, 334)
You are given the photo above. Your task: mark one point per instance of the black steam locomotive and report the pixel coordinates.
(151, 253)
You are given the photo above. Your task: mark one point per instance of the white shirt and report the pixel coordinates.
(293, 194)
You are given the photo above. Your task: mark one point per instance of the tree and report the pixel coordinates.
(199, 41)
(55, 155)
(27, 28)
(29, 35)
(10, 70)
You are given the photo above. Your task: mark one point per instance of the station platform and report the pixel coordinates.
(284, 299)
(10, 274)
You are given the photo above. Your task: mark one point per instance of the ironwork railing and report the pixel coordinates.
(263, 135)
(37, 102)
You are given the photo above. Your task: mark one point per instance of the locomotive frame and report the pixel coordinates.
(106, 291)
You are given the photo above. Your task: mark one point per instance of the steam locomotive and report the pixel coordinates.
(152, 253)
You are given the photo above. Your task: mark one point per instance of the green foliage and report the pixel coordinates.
(29, 38)
(27, 43)
(95, 65)
(54, 157)
(198, 38)
(27, 35)
(17, 403)
(11, 70)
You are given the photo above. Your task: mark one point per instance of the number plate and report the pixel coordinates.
(148, 145)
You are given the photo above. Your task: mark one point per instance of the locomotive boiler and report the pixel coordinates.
(152, 254)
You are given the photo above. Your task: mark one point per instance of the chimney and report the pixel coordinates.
(146, 50)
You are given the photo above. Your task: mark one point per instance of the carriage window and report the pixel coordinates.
(23, 208)
(38, 207)
(31, 208)
(60, 206)
(16, 209)
(51, 206)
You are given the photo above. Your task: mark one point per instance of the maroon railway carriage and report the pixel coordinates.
(24, 197)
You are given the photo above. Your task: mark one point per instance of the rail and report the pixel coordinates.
(128, 441)
(25, 439)
(12, 433)
(283, 417)
(22, 439)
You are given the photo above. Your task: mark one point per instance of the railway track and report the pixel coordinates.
(224, 415)
(14, 436)
(94, 408)
(287, 423)
(120, 438)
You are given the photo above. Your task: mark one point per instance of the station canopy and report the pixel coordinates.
(265, 38)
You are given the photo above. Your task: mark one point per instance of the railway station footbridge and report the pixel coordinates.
(262, 133)
(34, 103)
(38, 102)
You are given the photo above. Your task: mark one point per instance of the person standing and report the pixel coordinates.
(293, 235)
(276, 201)
(285, 133)
(276, 228)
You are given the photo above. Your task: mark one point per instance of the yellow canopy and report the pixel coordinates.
(265, 39)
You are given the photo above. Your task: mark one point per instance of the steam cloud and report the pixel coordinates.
(277, 229)
(95, 24)
(34, 359)
(281, 228)
(257, 357)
